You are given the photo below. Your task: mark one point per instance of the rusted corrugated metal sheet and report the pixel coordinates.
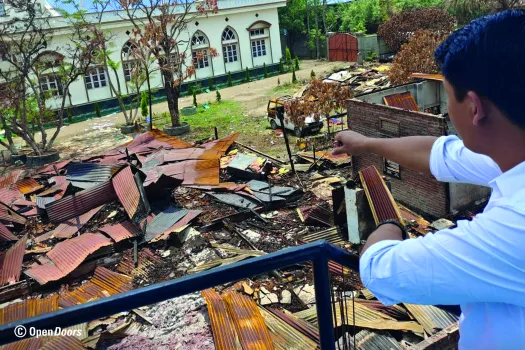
(104, 282)
(127, 192)
(302, 326)
(26, 344)
(368, 340)
(81, 202)
(432, 318)
(6, 235)
(66, 256)
(155, 139)
(68, 228)
(147, 261)
(191, 172)
(50, 169)
(379, 197)
(120, 231)
(8, 196)
(177, 155)
(223, 144)
(249, 324)
(437, 77)
(88, 175)
(11, 178)
(63, 343)
(403, 100)
(179, 226)
(27, 186)
(57, 191)
(222, 325)
(10, 215)
(28, 308)
(11, 264)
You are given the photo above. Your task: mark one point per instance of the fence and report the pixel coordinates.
(319, 252)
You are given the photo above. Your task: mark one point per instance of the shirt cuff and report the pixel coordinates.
(368, 268)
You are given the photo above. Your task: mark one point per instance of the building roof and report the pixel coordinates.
(436, 77)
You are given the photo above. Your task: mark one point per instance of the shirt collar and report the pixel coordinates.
(510, 181)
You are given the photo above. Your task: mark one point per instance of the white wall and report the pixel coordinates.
(212, 26)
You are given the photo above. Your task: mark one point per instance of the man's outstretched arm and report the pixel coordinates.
(412, 152)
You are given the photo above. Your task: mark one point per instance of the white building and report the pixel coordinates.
(245, 33)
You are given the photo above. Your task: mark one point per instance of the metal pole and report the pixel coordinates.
(216, 134)
(281, 117)
(323, 303)
(313, 148)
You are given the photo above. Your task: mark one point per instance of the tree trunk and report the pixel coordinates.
(149, 100)
(308, 25)
(7, 132)
(317, 43)
(118, 93)
(173, 98)
(323, 13)
(60, 118)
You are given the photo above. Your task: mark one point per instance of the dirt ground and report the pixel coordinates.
(97, 134)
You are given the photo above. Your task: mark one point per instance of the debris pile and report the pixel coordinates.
(159, 208)
(361, 81)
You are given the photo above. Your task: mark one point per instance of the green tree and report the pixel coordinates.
(288, 56)
(265, 71)
(144, 105)
(210, 83)
(247, 77)
(194, 98)
(98, 114)
(218, 96)
(358, 14)
(230, 82)
(292, 18)
(294, 78)
(296, 63)
(281, 66)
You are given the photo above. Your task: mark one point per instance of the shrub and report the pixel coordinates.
(69, 116)
(265, 71)
(210, 83)
(247, 77)
(278, 81)
(294, 78)
(371, 56)
(296, 63)
(281, 66)
(218, 96)
(230, 82)
(312, 74)
(288, 56)
(98, 114)
(144, 104)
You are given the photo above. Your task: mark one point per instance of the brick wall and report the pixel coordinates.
(418, 191)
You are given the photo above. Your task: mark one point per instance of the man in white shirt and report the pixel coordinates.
(481, 263)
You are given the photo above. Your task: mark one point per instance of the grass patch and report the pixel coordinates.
(285, 89)
(228, 116)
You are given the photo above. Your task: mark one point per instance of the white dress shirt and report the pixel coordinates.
(479, 265)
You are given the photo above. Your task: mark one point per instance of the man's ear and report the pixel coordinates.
(477, 108)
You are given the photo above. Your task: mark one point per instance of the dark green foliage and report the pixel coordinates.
(296, 63)
(265, 71)
(210, 83)
(218, 96)
(288, 56)
(69, 115)
(190, 89)
(281, 66)
(247, 78)
(230, 83)
(144, 104)
(194, 98)
(98, 114)
(312, 74)
(294, 78)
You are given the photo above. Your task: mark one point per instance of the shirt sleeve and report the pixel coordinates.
(451, 161)
(479, 261)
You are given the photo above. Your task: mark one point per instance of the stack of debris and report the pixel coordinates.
(159, 208)
(361, 80)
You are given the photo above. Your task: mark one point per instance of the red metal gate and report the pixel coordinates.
(342, 47)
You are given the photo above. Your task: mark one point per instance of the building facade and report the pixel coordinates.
(375, 115)
(245, 34)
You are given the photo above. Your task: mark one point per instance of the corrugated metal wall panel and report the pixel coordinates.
(127, 191)
(12, 262)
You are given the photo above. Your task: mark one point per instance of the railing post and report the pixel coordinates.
(323, 303)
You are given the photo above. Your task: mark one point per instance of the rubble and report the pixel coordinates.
(185, 209)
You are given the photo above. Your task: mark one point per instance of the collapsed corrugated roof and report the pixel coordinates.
(69, 227)
(66, 256)
(28, 308)
(8, 196)
(178, 226)
(431, 318)
(81, 202)
(222, 325)
(6, 235)
(368, 340)
(104, 282)
(221, 145)
(27, 186)
(191, 172)
(11, 262)
(50, 169)
(8, 214)
(11, 178)
(87, 175)
(127, 191)
(121, 231)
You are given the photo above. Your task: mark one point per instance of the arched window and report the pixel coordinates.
(230, 45)
(259, 34)
(49, 59)
(128, 60)
(199, 50)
